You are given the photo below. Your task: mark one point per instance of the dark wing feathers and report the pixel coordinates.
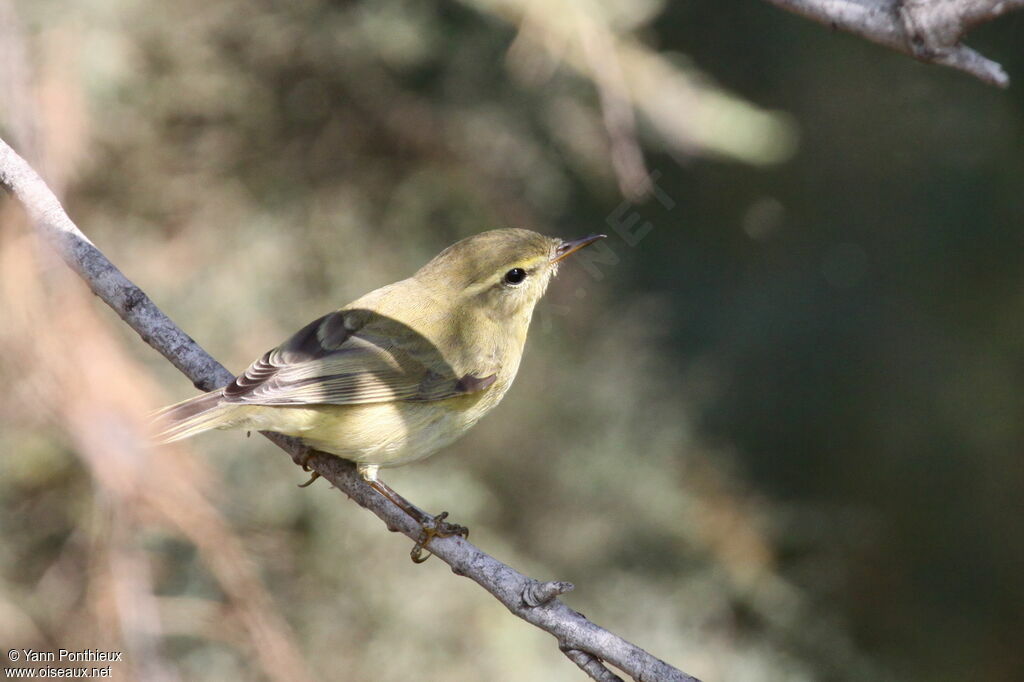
(349, 358)
(304, 346)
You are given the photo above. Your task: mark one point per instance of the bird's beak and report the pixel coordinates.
(567, 248)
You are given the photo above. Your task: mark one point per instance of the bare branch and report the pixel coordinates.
(616, 108)
(928, 30)
(585, 643)
(591, 666)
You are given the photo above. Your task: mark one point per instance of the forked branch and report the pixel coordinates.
(583, 642)
(928, 30)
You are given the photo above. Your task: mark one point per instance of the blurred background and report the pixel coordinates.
(771, 428)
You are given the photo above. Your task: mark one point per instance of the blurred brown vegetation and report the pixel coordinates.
(252, 165)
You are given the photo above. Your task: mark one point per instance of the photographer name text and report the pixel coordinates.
(67, 656)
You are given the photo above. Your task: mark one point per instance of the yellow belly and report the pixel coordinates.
(380, 434)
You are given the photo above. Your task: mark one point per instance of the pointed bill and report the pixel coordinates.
(567, 248)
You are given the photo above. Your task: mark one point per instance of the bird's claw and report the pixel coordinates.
(302, 457)
(436, 527)
(447, 530)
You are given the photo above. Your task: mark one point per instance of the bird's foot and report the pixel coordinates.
(436, 527)
(430, 526)
(302, 455)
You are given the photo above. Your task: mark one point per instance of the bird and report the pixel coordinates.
(401, 372)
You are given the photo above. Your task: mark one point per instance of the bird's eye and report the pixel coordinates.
(515, 276)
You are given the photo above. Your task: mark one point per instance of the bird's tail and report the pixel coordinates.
(192, 416)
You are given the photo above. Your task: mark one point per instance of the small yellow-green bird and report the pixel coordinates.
(402, 371)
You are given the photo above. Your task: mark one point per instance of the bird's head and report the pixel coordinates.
(502, 273)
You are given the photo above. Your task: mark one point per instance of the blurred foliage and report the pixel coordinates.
(771, 432)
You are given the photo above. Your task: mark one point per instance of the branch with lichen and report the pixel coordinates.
(583, 642)
(928, 30)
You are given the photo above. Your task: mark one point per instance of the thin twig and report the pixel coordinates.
(573, 632)
(616, 108)
(591, 665)
(929, 30)
(20, 110)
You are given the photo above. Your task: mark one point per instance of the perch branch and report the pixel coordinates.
(583, 642)
(928, 30)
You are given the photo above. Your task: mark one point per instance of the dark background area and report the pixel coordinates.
(873, 341)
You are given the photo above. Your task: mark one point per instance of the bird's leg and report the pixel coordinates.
(387, 492)
(431, 526)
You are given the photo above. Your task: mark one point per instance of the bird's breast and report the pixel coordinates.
(388, 434)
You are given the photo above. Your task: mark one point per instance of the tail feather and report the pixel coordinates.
(189, 417)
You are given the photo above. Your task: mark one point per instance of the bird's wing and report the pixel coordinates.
(352, 357)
